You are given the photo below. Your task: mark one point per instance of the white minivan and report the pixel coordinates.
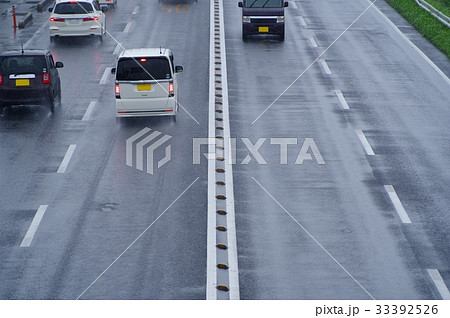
(146, 83)
(77, 18)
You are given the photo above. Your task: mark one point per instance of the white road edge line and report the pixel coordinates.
(411, 44)
(397, 204)
(313, 42)
(26, 242)
(127, 27)
(294, 5)
(27, 43)
(440, 284)
(301, 20)
(325, 67)
(135, 10)
(105, 75)
(62, 168)
(341, 98)
(89, 110)
(365, 143)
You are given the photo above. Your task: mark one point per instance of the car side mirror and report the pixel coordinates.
(286, 4)
(104, 9)
(113, 70)
(59, 65)
(50, 9)
(240, 4)
(178, 69)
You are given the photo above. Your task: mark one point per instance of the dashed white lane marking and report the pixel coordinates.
(27, 43)
(105, 76)
(26, 242)
(365, 143)
(62, 168)
(89, 110)
(127, 27)
(301, 20)
(135, 10)
(325, 67)
(117, 49)
(397, 204)
(440, 284)
(294, 5)
(313, 42)
(341, 98)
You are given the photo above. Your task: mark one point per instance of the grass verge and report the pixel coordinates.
(425, 23)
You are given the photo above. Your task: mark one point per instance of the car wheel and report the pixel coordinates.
(51, 104)
(174, 118)
(244, 36)
(282, 35)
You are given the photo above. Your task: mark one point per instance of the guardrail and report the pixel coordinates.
(434, 12)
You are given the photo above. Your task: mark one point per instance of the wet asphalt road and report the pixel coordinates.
(316, 230)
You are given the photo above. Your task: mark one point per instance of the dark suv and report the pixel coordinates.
(29, 77)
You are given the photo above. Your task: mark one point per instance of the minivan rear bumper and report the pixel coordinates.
(146, 107)
(15, 97)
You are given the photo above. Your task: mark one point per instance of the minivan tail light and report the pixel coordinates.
(171, 93)
(117, 91)
(1, 79)
(57, 19)
(46, 78)
(90, 19)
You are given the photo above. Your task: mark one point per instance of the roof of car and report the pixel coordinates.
(145, 52)
(57, 1)
(25, 52)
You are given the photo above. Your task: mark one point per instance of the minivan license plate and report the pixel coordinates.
(263, 29)
(144, 87)
(23, 82)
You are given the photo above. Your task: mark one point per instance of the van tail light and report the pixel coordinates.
(90, 19)
(117, 91)
(1, 79)
(57, 20)
(171, 93)
(46, 78)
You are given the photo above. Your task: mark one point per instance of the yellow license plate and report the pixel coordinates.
(23, 82)
(263, 29)
(144, 87)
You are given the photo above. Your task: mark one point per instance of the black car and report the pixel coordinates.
(29, 77)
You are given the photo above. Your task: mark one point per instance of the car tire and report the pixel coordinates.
(282, 35)
(244, 36)
(51, 105)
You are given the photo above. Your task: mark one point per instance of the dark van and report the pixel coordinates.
(263, 17)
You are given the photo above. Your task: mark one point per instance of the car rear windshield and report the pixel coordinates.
(73, 8)
(23, 64)
(143, 68)
(263, 3)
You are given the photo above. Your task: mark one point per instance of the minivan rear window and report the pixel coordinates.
(143, 68)
(73, 8)
(263, 3)
(23, 64)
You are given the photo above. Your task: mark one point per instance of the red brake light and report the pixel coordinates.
(143, 60)
(73, 1)
(56, 20)
(46, 78)
(117, 91)
(1, 79)
(171, 89)
(91, 19)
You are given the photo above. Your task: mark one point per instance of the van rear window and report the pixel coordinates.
(23, 64)
(143, 68)
(73, 8)
(263, 3)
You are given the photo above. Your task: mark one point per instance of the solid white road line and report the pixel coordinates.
(105, 75)
(313, 42)
(135, 10)
(301, 20)
(89, 110)
(325, 67)
(341, 98)
(127, 27)
(294, 5)
(365, 143)
(62, 168)
(397, 204)
(440, 284)
(26, 242)
(411, 44)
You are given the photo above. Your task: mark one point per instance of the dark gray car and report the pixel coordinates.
(29, 77)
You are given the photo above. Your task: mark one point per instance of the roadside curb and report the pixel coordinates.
(43, 4)
(25, 21)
